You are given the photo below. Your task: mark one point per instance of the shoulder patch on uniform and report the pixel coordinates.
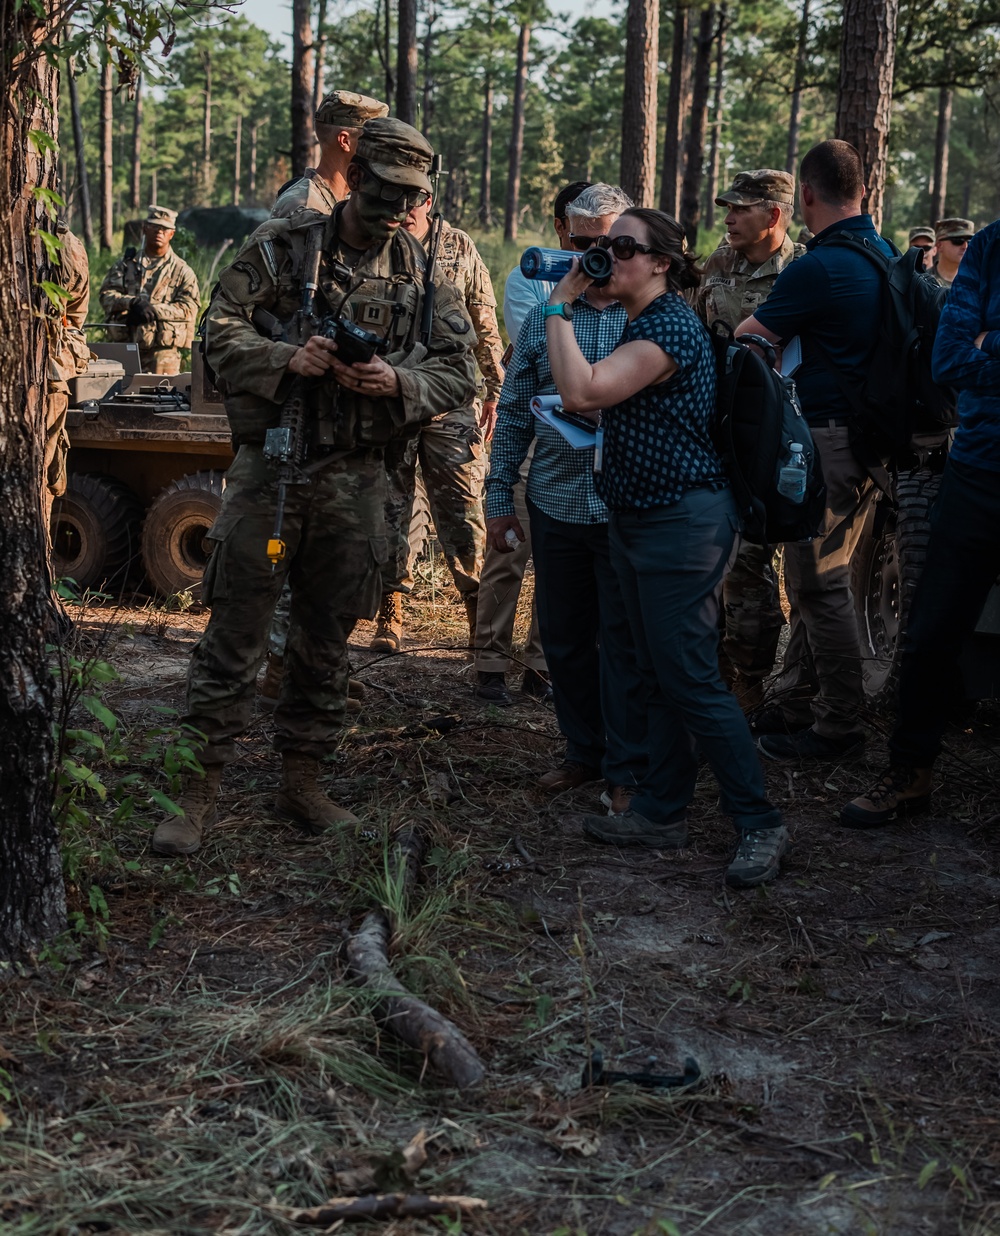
(252, 275)
(457, 323)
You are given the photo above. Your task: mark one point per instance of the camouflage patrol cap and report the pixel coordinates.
(397, 152)
(349, 110)
(921, 233)
(765, 185)
(954, 229)
(161, 216)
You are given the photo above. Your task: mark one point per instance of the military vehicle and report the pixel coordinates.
(147, 465)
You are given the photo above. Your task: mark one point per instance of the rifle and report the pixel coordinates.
(427, 311)
(287, 444)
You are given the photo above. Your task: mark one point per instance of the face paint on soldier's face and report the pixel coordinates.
(380, 219)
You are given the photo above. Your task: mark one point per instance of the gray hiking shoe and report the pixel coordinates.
(758, 857)
(631, 828)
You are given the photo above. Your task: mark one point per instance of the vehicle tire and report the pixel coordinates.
(886, 567)
(174, 545)
(95, 532)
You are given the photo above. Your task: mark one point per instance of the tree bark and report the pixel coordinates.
(252, 169)
(864, 94)
(638, 160)
(135, 194)
(238, 160)
(302, 87)
(207, 177)
(694, 165)
(32, 897)
(792, 153)
(427, 102)
(486, 172)
(715, 147)
(510, 219)
(676, 95)
(939, 186)
(406, 62)
(83, 184)
(320, 44)
(107, 152)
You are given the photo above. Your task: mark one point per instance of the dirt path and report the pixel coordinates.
(207, 1065)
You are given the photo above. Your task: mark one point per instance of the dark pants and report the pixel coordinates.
(598, 695)
(963, 561)
(670, 562)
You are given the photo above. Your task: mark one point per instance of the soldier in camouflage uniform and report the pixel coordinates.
(952, 238)
(370, 272)
(449, 449)
(738, 277)
(339, 119)
(69, 353)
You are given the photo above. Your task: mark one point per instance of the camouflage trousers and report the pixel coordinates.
(334, 529)
(450, 452)
(160, 360)
(753, 616)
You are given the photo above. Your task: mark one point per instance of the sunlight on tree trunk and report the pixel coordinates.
(939, 184)
(135, 185)
(107, 152)
(406, 62)
(82, 180)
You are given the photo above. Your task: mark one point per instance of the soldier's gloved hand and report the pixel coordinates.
(140, 312)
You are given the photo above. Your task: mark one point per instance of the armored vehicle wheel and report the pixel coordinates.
(884, 572)
(95, 531)
(174, 546)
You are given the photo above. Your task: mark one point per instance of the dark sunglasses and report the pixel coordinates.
(584, 242)
(925, 248)
(624, 247)
(394, 195)
(957, 240)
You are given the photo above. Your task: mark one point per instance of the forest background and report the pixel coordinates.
(740, 85)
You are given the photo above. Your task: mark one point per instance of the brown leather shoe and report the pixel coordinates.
(567, 776)
(899, 791)
(182, 834)
(301, 799)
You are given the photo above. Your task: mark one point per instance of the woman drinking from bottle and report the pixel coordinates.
(673, 533)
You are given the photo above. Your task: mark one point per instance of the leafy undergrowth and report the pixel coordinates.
(191, 1058)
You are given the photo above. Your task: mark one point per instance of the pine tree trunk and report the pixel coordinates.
(406, 62)
(486, 172)
(32, 898)
(302, 87)
(638, 161)
(207, 176)
(510, 219)
(695, 163)
(715, 147)
(107, 153)
(238, 160)
(320, 69)
(939, 187)
(864, 95)
(135, 194)
(676, 95)
(792, 154)
(427, 100)
(252, 169)
(83, 183)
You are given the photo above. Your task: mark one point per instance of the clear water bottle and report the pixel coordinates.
(792, 475)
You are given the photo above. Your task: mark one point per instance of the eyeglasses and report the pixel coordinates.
(957, 240)
(585, 242)
(394, 195)
(924, 248)
(625, 247)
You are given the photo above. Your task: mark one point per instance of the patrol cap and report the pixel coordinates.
(348, 110)
(921, 233)
(397, 152)
(954, 229)
(765, 185)
(161, 216)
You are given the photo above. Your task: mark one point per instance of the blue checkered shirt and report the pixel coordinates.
(561, 479)
(658, 443)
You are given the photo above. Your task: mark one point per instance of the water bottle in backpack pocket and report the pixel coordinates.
(792, 474)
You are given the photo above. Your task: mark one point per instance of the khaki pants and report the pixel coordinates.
(821, 683)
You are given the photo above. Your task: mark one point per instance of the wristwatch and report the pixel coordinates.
(563, 310)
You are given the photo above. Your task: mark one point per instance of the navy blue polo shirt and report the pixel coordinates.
(830, 297)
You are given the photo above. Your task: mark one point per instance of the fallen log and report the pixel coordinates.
(386, 1206)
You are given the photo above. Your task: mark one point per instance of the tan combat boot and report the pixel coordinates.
(388, 635)
(182, 834)
(301, 799)
(899, 791)
(270, 688)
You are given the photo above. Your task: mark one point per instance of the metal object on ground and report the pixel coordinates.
(595, 1074)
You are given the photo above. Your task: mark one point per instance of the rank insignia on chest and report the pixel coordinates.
(376, 313)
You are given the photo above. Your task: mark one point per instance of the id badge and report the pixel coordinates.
(599, 449)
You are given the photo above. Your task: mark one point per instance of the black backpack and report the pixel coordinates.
(757, 418)
(898, 398)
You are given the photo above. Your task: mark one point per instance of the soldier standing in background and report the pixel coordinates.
(924, 239)
(69, 353)
(738, 278)
(449, 448)
(369, 272)
(339, 119)
(952, 238)
(151, 297)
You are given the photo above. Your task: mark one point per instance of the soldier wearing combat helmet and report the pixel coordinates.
(738, 278)
(151, 297)
(262, 337)
(339, 120)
